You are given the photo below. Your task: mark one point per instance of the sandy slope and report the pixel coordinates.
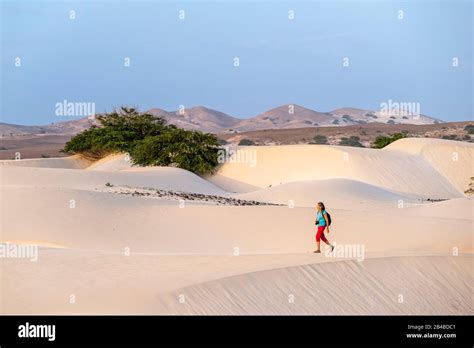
(351, 194)
(112, 163)
(115, 283)
(397, 169)
(452, 159)
(72, 162)
(102, 221)
(193, 248)
(160, 177)
(443, 287)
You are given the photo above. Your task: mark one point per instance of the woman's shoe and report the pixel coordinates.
(317, 251)
(332, 248)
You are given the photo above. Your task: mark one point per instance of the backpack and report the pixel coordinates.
(329, 218)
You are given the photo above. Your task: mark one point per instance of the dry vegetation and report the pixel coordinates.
(366, 133)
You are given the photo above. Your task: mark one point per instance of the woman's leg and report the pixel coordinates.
(324, 239)
(318, 237)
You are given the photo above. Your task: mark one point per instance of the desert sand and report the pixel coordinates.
(403, 208)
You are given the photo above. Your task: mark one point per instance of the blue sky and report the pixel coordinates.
(190, 62)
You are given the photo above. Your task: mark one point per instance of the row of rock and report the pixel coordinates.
(185, 196)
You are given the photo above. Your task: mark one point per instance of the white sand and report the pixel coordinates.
(72, 162)
(398, 169)
(244, 259)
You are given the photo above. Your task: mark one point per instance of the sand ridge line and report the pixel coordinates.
(323, 288)
(179, 195)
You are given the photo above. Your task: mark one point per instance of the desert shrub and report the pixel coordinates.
(469, 128)
(335, 122)
(466, 137)
(351, 141)
(246, 142)
(390, 122)
(118, 131)
(148, 140)
(320, 139)
(191, 150)
(383, 140)
(449, 137)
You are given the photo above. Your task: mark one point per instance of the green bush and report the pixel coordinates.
(351, 141)
(190, 150)
(118, 131)
(246, 142)
(383, 140)
(469, 128)
(148, 140)
(320, 139)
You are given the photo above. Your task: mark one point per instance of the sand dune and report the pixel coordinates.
(107, 222)
(458, 208)
(375, 287)
(452, 159)
(137, 280)
(351, 194)
(226, 257)
(159, 177)
(112, 163)
(400, 171)
(72, 162)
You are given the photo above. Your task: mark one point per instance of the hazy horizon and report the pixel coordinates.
(68, 118)
(188, 58)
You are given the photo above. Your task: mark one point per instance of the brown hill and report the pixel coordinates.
(287, 116)
(198, 118)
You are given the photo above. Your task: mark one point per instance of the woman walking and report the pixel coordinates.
(323, 222)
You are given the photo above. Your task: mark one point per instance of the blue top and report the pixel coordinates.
(320, 218)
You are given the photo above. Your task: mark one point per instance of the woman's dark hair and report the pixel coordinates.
(321, 204)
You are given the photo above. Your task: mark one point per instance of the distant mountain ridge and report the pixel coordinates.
(209, 120)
